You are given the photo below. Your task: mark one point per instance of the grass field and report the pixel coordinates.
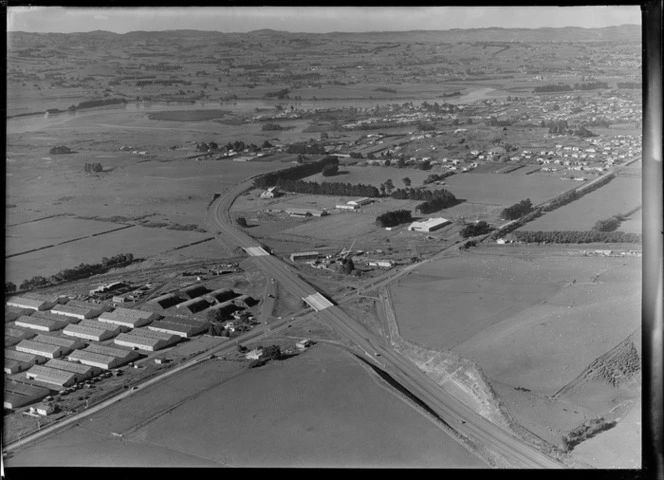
(618, 196)
(141, 241)
(50, 231)
(317, 410)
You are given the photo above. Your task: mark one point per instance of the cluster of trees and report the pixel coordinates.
(385, 89)
(271, 352)
(286, 176)
(355, 155)
(268, 127)
(576, 194)
(494, 122)
(608, 224)
(328, 188)
(590, 85)
(330, 170)
(396, 217)
(474, 229)
(10, 287)
(420, 194)
(306, 149)
(638, 85)
(552, 88)
(556, 127)
(280, 94)
(592, 236)
(347, 265)
(517, 210)
(142, 83)
(437, 203)
(97, 103)
(60, 150)
(92, 167)
(207, 147)
(586, 431)
(518, 223)
(435, 177)
(84, 270)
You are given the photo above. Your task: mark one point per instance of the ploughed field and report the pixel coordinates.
(319, 409)
(619, 196)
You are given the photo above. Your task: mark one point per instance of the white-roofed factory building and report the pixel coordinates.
(82, 372)
(51, 376)
(128, 317)
(90, 333)
(18, 394)
(32, 302)
(428, 225)
(40, 324)
(80, 310)
(41, 349)
(179, 326)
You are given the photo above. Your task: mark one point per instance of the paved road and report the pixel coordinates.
(459, 416)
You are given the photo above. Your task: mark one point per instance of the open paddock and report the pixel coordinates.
(51, 231)
(620, 195)
(140, 241)
(320, 409)
(188, 115)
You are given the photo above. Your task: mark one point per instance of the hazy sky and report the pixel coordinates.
(312, 19)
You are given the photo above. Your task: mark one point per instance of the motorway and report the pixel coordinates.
(462, 419)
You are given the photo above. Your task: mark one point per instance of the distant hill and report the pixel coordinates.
(622, 33)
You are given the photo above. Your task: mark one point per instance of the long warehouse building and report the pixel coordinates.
(90, 333)
(148, 340)
(51, 376)
(41, 349)
(40, 324)
(19, 394)
(82, 372)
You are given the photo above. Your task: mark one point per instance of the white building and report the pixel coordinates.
(39, 324)
(41, 349)
(360, 202)
(89, 333)
(428, 225)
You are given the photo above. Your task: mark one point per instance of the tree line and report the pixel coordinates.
(591, 236)
(475, 229)
(83, 270)
(328, 188)
(575, 194)
(393, 218)
(97, 103)
(293, 173)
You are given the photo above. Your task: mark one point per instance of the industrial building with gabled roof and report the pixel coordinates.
(359, 202)
(194, 305)
(69, 343)
(194, 291)
(47, 315)
(51, 376)
(130, 321)
(80, 310)
(304, 256)
(99, 360)
(144, 339)
(23, 357)
(41, 349)
(226, 308)
(133, 312)
(82, 371)
(110, 351)
(101, 325)
(167, 300)
(177, 328)
(15, 366)
(18, 333)
(305, 212)
(428, 225)
(221, 295)
(30, 303)
(40, 324)
(90, 333)
(19, 394)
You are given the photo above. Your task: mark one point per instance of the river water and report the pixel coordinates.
(38, 122)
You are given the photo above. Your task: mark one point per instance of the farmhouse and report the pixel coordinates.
(305, 212)
(42, 409)
(254, 354)
(304, 256)
(39, 324)
(18, 394)
(428, 225)
(31, 303)
(52, 376)
(41, 349)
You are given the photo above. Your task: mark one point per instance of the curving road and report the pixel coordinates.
(462, 419)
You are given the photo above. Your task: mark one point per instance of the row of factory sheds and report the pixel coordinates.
(198, 298)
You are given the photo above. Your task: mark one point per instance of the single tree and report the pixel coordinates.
(241, 221)
(406, 181)
(10, 287)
